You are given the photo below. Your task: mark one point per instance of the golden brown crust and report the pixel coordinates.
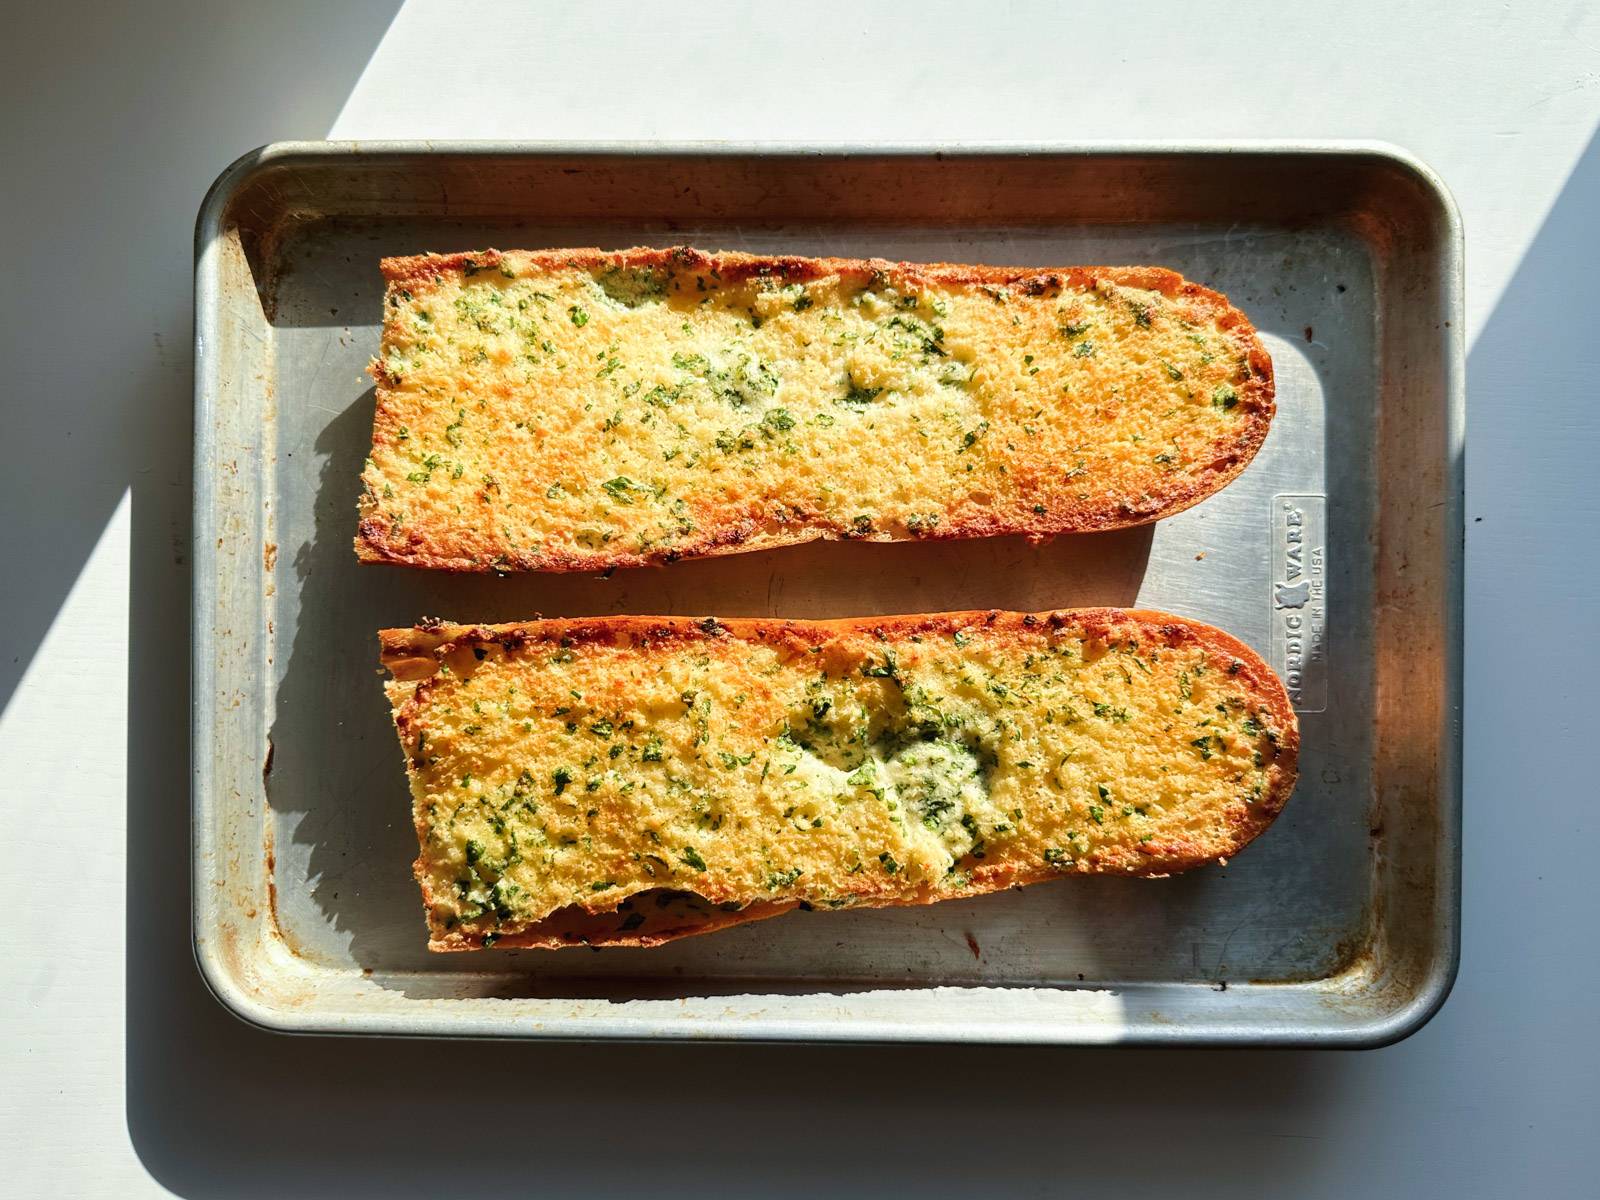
(666, 917)
(419, 544)
(415, 656)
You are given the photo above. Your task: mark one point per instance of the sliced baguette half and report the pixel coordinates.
(630, 780)
(574, 410)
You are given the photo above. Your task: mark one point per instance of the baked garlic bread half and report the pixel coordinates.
(574, 410)
(630, 780)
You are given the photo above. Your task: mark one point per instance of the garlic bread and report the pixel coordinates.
(573, 410)
(628, 780)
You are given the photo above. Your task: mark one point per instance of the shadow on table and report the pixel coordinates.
(219, 1109)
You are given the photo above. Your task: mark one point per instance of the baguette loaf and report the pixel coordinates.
(577, 410)
(628, 780)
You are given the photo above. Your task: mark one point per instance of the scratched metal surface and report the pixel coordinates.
(1336, 926)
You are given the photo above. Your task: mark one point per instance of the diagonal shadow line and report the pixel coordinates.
(108, 207)
(216, 1108)
(121, 201)
(1533, 538)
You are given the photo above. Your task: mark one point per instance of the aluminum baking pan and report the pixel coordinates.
(1337, 554)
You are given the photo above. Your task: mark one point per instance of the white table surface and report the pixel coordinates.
(120, 1076)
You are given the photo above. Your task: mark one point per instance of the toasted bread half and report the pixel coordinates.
(630, 780)
(573, 410)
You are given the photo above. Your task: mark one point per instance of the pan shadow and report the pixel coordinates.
(334, 1105)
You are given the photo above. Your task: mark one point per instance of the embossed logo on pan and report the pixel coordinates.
(1300, 598)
